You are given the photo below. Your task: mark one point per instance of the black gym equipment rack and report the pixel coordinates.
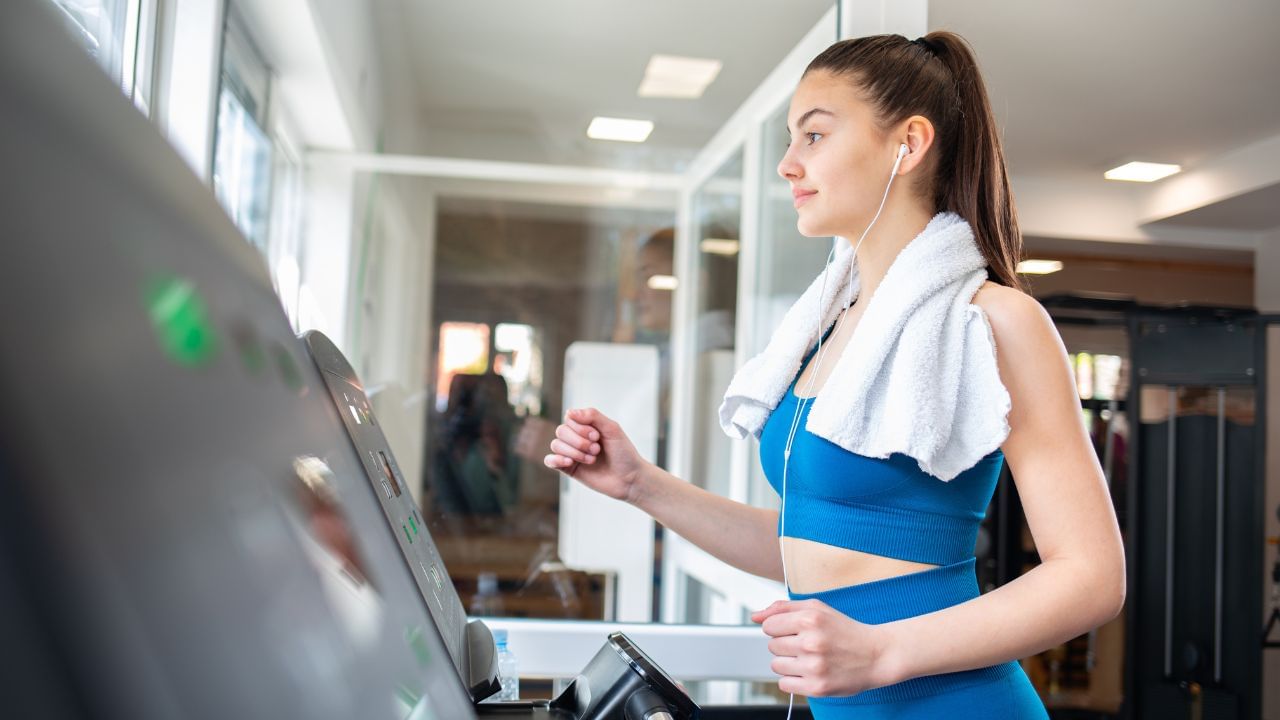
(1191, 508)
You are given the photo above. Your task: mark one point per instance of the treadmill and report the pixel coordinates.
(185, 530)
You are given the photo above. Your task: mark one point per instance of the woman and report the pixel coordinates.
(886, 456)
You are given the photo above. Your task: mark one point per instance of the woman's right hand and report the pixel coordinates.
(591, 448)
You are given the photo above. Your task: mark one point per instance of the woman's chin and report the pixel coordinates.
(810, 229)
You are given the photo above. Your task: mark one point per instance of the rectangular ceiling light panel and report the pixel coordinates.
(1142, 171)
(605, 128)
(671, 76)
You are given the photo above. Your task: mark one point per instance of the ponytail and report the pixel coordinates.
(937, 76)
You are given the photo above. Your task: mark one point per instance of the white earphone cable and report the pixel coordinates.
(821, 352)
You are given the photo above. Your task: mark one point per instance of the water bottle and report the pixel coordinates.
(507, 669)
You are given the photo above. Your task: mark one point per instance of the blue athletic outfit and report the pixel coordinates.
(890, 507)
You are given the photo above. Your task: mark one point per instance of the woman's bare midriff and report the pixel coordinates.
(814, 567)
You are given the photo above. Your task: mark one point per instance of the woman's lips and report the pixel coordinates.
(800, 197)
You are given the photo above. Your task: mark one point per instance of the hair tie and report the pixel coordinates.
(924, 43)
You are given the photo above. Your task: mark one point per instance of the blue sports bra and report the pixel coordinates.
(887, 507)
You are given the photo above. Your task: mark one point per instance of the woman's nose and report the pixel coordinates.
(788, 168)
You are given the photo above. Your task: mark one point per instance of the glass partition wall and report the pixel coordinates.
(471, 298)
(517, 285)
(717, 207)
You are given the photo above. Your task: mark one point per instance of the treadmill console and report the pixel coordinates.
(470, 644)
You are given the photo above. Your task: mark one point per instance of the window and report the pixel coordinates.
(285, 246)
(119, 36)
(242, 149)
(519, 360)
(464, 350)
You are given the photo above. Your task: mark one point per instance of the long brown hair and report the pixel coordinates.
(937, 77)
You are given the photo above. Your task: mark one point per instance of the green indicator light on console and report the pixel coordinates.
(407, 536)
(181, 321)
(413, 525)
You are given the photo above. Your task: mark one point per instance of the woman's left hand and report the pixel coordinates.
(820, 651)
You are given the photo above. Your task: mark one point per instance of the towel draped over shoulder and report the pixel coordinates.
(918, 376)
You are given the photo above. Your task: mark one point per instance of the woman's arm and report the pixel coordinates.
(594, 450)
(1079, 584)
(746, 537)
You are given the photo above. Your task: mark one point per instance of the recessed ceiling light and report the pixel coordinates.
(604, 128)
(1142, 171)
(719, 246)
(673, 76)
(662, 282)
(1039, 267)
(667, 88)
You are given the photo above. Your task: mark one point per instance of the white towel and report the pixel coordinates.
(918, 376)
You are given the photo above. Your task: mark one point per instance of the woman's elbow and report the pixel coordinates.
(1111, 586)
(1116, 604)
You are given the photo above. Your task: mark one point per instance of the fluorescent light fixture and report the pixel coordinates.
(1039, 267)
(719, 246)
(662, 282)
(667, 88)
(604, 128)
(672, 76)
(1142, 172)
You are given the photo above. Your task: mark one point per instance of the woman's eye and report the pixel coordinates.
(813, 138)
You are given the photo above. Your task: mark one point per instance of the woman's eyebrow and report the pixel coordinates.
(810, 113)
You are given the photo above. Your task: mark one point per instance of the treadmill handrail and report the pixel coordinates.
(560, 648)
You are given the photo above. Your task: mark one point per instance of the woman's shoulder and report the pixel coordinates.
(1016, 318)
(994, 297)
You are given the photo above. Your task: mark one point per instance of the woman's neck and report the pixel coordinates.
(897, 226)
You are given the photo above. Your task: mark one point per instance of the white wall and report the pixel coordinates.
(346, 33)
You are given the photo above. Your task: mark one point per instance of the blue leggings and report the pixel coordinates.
(1001, 691)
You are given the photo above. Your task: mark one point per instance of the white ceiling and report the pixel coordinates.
(520, 81)
(1087, 85)
(1078, 87)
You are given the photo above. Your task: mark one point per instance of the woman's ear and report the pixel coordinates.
(917, 134)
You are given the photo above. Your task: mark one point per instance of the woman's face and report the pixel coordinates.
(839, 161)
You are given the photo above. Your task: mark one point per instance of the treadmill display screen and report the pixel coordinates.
(399, 509)
(388, 473)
